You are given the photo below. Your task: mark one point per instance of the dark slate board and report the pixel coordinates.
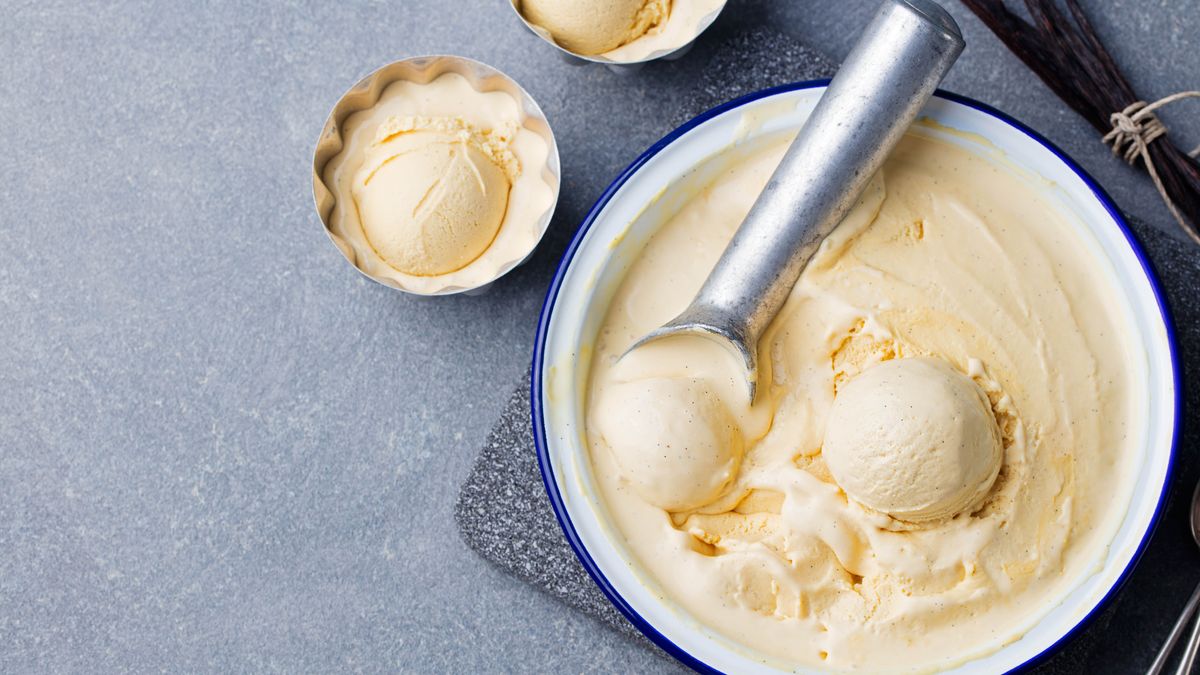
(504, 515)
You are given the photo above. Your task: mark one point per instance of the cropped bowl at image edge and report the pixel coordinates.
(569, 319)
(422, 70)
(631, 56)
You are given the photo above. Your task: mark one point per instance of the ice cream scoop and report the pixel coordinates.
(674, 440)
(593, 27)
(889, 75)
(913, 438)
(432, 193)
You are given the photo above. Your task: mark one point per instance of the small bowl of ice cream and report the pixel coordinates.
(622, 34)
(436, 175)
(964, 424)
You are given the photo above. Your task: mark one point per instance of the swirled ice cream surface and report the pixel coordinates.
(732, 509)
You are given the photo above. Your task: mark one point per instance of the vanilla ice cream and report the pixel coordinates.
(942, 442)
(673, 438)
(595, 26)
(432, 192)
(913, 438)
(439, 185)
(621, 31)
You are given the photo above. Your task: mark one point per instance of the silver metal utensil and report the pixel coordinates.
(888, 76)
(1188, 660)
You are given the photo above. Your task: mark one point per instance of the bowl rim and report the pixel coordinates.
(539, 351)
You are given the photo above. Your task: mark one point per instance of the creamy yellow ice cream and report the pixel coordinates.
(432, 192)
(913, 438)
(439, 185)
(673, 438)
(592, 27)
(954, 290)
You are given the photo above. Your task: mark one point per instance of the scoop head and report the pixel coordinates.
(712, 325)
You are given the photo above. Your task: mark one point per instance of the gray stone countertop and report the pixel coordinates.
(223, 449)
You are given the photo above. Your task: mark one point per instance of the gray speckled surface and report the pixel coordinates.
(220, 447)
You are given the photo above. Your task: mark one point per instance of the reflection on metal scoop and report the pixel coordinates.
(889, 75)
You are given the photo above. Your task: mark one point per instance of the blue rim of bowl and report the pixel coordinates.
(539, 350)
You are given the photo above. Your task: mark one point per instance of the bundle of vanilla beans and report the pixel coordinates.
(1063, 49)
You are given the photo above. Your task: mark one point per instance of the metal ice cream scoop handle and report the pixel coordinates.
(888, 76)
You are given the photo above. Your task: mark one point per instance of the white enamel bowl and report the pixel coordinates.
(623, 219)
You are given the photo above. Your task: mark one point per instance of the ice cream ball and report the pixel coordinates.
(913, 438)
(674, 440)
(430, 200)
(592, 27)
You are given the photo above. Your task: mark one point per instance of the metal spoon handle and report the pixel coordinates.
(1188, 660)
(889, 75)
(1164, 653)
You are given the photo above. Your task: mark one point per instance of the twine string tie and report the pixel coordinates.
(1134, 129)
